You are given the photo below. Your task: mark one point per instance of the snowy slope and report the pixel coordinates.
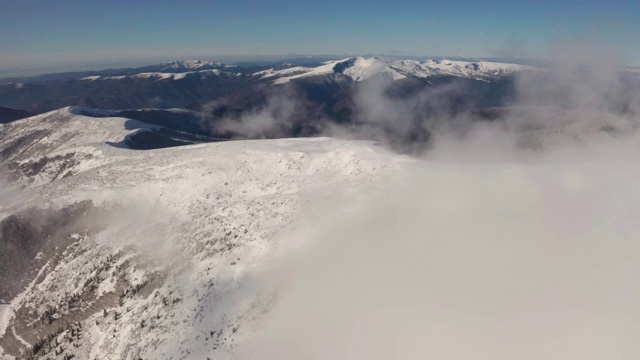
(360, 68)
(187, 228)
(53, 145)
(63, 129)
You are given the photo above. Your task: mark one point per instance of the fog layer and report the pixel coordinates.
(515, 239)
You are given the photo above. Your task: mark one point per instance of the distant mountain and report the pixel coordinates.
(397, 101)
(180, 84)
(173, 66)
(169, 67)
(359, 69)
(146, 89)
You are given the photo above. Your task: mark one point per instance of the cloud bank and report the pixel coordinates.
(515, 239)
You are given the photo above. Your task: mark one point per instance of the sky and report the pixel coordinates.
(41, 33)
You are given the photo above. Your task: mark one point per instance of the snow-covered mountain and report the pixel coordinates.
(359, 68)
(356, 68)
(187, 227)
(174, 70)
(139, 233)
(158, 75)
(185, 83)
(192, 65)
(111, 252)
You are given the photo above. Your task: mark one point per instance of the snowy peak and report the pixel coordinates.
(360, 68)
(356, 68)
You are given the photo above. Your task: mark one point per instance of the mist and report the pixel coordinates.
(471, 261)
(511, 238)
(584, 93)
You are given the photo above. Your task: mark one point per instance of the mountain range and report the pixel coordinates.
(187, 83)
(319, 95)
(175, 211)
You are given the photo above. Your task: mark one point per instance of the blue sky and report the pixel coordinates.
(41, 33)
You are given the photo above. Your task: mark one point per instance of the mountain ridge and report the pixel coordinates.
(162, 253)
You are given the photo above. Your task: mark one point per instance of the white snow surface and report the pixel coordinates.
(360, 68)
(207, 216)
